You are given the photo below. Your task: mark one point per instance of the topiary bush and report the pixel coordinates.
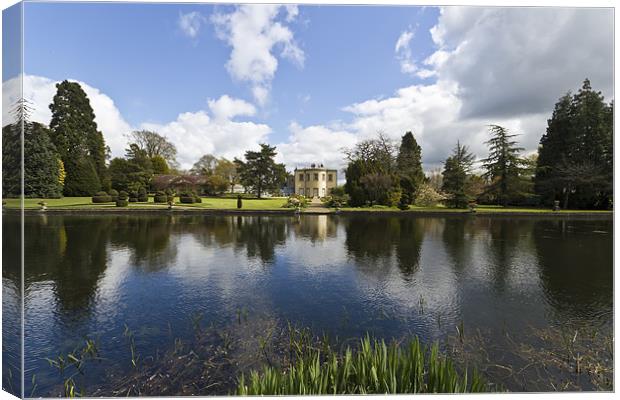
(187, 198)
(143, 197)
(101, 197)
(122, 199)
(113, 194)
(160, 197)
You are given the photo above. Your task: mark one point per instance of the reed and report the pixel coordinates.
(373, 368)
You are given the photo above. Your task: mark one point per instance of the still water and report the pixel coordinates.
(93, 276)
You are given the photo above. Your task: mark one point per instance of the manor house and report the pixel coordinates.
(315, 181)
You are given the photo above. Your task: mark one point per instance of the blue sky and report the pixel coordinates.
(343, 73)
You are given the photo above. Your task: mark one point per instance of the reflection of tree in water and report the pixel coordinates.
(11, 304)
(148, 238)
(260, 235)
(575, 261)
(457, 238)
(373, 241)
(508, 237)
(70, 251)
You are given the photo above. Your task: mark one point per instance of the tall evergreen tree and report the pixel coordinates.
(75, 135)
(409, 166)
(456, 170)
(41, 167)
(259, 172)
(575, 163)
(503, 165)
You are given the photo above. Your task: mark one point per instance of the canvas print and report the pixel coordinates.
(221, 199)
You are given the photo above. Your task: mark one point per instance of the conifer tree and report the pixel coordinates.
(409, 166)
(75, 135)
(503, 165)
(456, 170)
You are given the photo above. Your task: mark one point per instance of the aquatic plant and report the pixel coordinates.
(375, 367)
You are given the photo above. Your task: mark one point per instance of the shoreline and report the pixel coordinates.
(291, 212)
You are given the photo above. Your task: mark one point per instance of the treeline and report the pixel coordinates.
(70, 157)
(574, 165)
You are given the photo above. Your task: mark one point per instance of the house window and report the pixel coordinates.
(316, 177)
(323, 177)
(301, 177)
(301, 191)
(330, 177)
(308, 177)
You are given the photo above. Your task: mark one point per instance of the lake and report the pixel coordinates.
(508, 287)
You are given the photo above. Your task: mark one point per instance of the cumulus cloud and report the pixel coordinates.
(254, 32)
(517, 61)
(196, 133)
(40, 91)
(227, 108)
(190, 23)
(193, 133)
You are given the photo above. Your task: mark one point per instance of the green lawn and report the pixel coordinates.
(207, 203)
(217, 203)
(480, 209)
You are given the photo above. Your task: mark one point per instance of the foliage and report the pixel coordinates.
(296, 201)
(204, 166)
(503, 166)
(259, 172)
(159, 165)
(122, 199)
(575, 162)
(403, 203)
(374, 368)
(427, 196)
(42, 174)
(370, 172)
(455, 173)
(75, 136)
(82, 179)
(337, 198)
(154, 145)
(101, 197)
(160, 197)
(409, 164)
(216, 184)
(113, 194)
(137, 168)
(228, 170)
(142, 195)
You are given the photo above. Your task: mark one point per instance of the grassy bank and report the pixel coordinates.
(276, 203)
(215, 203)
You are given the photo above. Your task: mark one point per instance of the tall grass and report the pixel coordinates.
(375, 367)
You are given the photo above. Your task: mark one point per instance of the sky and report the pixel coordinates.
(310, 80)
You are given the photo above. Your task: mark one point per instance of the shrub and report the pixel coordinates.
(296, 200)
(239, 202)
(403, 203)
(113, 194)
(122, 199)
(160, 197)
(187, 198)
(101, 197)
(426, 196)
(143, 197)
(337, 198)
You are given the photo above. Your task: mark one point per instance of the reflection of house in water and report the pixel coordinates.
(315, 181)
(317, 227)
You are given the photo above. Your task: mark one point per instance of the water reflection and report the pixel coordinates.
(348, 274)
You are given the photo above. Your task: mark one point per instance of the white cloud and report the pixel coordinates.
(403, 52)
(40, 91)
(190, 23)
(196, 133)
(253, 32)
(517, 61)
(193, 133)
(227, 108)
